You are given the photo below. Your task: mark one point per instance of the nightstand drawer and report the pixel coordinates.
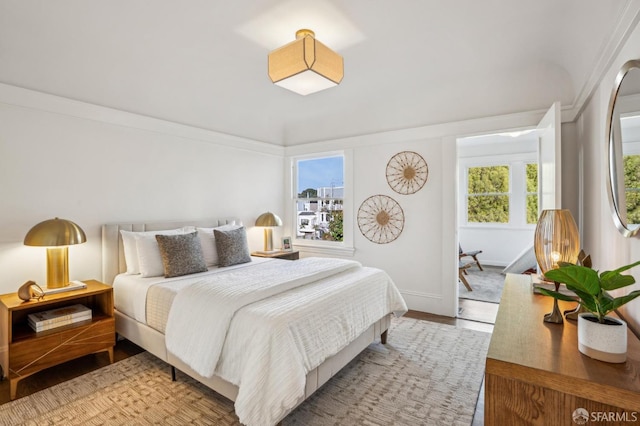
(59, 345)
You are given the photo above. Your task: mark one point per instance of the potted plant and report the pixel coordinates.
(599, 336)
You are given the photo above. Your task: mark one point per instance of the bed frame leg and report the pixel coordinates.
(383, 337)
(173, 373)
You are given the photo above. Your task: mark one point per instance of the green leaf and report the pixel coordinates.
(557, 295)
(586, 299)
(609, 281)
(578, 277)
(606, 303)
(619, 301)
(622, 268)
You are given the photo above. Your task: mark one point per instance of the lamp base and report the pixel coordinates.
(57, 267)
(555, 316)
(268, 240)
(73, 285)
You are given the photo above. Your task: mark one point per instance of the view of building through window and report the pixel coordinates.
(320, 197)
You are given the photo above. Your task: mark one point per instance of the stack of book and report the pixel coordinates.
(538, 283)
(46, 320)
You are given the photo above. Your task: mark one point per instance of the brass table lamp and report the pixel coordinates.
(57, 235)
(556, 240)
(268, 220)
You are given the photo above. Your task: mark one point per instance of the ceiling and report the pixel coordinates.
(408, 63)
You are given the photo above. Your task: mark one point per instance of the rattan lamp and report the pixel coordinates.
(268, 220)
(556, 240)
(305, 65)
(57, 235)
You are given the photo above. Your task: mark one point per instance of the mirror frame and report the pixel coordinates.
(612, 144)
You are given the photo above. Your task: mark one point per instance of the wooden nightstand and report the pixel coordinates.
(24, 352)
(280, 254)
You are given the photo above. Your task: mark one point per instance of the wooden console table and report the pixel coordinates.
(535, 374)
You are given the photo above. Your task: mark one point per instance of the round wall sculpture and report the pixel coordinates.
(407, 172)
(380, 219)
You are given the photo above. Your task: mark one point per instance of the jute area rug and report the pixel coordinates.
(427, 374)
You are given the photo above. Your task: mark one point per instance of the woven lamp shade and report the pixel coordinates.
(305, 65)
(556, 239)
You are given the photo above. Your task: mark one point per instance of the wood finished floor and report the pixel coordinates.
(124, 349)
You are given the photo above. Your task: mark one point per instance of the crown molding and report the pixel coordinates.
(31, 99)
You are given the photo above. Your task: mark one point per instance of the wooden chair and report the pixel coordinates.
(472, 254)
(462, 270)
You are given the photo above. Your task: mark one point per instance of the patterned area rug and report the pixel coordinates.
(487, 285)
(427, 374)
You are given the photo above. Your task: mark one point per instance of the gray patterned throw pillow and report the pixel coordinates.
(232, 246)
(181, 254)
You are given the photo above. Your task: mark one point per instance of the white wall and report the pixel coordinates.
(423, 260)
(94, 165)
(608, 248)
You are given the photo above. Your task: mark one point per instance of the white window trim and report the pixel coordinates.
(517, 189)
(320, 247)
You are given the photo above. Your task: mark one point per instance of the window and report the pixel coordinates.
(488, 194)
(319, 199)
(532, 193)
(632, 187)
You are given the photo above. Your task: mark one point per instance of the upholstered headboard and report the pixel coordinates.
(113, 262)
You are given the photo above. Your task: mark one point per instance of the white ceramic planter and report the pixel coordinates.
(605, 342)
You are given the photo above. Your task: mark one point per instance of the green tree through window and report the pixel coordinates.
(488, 194)
(632, 187)
(532, 193)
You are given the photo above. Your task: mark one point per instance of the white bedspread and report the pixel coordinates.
(206, 307)
(290, 317)
(272, 344)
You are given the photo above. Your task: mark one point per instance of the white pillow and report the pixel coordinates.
(208, 242)
(131, 250)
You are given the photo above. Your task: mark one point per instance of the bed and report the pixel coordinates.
(265, 333)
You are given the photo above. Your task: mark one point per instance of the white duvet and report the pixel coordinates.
(267, 326)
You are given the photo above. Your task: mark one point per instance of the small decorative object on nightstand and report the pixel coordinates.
(30, 290)
(24, 352)
(286, 244)
(279, 254)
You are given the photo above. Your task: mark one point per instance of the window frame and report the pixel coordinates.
(517, 189)
(488, 194)
(324, 247)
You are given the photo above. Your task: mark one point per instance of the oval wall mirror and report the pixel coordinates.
(623, 124)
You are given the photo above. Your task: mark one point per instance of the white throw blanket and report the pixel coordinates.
(201, 313)
(272, 344)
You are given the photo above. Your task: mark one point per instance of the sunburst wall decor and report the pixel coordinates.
(407, 172)
(380, 219)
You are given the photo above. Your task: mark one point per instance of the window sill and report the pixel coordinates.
(493, 226)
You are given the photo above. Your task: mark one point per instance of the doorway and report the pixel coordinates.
(497, 213)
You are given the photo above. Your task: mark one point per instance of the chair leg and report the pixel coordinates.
(478, 263)
(464, 281)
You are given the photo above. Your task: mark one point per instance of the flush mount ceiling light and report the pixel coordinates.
(305, 65)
